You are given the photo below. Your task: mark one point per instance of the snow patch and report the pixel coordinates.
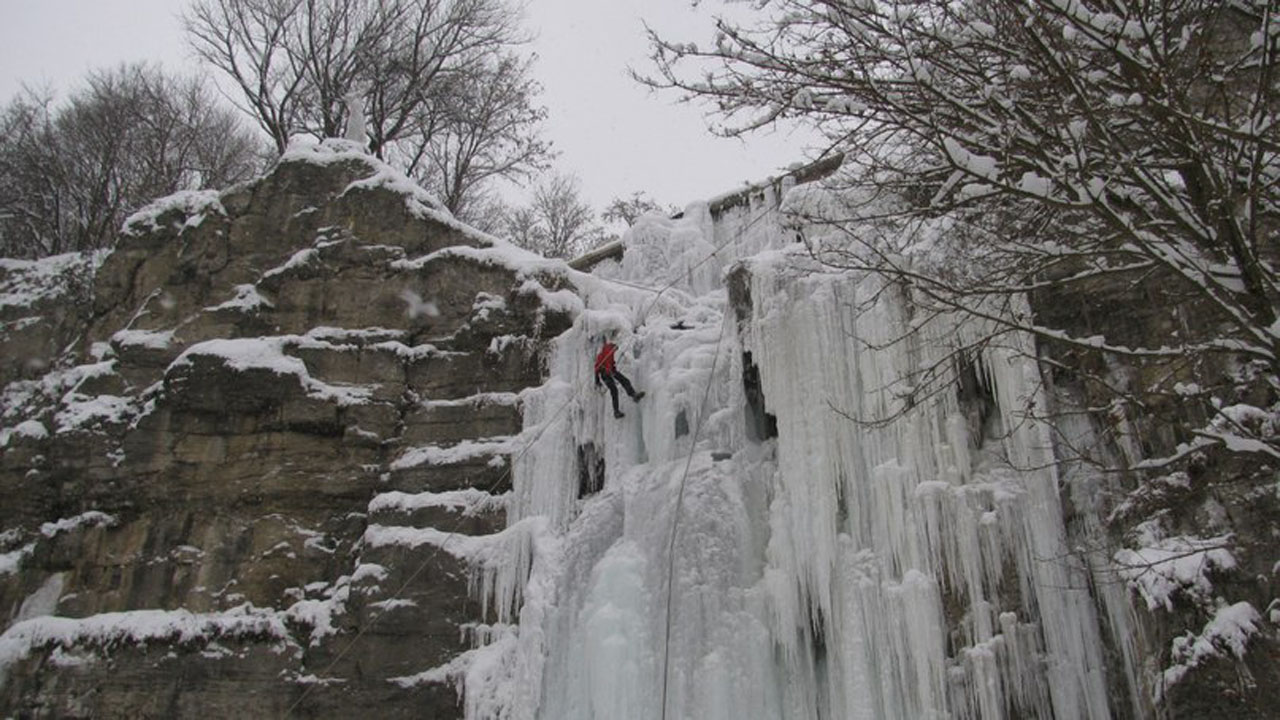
(102, 631)
(470, 501)
(267, 353)
(1227, 633)
(146, 339)
(247, 298)
(1173, 565)
(92, 518)
(462, 452)
(192, 205)
(25, 283)
(11, 561)
(84, 411)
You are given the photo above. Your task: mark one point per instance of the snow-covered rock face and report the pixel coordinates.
(237, 458)
(44, 304)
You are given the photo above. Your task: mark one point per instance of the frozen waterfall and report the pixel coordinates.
(849, 543)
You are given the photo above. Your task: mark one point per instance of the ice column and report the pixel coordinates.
(917, 558)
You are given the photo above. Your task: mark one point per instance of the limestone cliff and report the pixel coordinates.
(255, 464)
(223, 454)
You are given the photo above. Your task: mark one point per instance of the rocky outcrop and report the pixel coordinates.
(43, 309)
(250, 474)
(1188, 526)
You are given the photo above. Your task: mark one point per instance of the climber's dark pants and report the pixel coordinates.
(608, 379)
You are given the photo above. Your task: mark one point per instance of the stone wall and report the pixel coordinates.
(229, 458)
(1144, 408)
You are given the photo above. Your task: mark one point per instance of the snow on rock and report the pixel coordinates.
(24, 283)
(393, 604)
(318, 614)
(479, 548)
(19, 397)
(449, 672)
(299, 259)
(247, 298)
(470, 501)
(418, 201)
(488, 398)
(12, 560)
(499, 562)
(191, 206)
(500, 343)
(74, 410)
(1227, 633)
(485, 304)
(31, 429)
(565, 301)
(457, 453)
(268, 353)
(82, 411)
(533, 272)
(327, 152)
(499, 253)
(369, 573)
(144, 339)
(92, 518)
(347, 335)
(1169, 566)
(137, 627)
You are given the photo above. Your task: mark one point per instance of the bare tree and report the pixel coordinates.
(557, 222)
(520, 224)
(1046, 148)
(628, 210)
(486, 131)
(250, 41)
(438, 40)
(31, 187)
(334, 43)
(71, 173)
(295, 60)
(485, 210)
(445, 96)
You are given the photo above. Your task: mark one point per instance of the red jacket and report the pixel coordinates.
(604, 360)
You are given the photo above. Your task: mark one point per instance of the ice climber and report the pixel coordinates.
(607, 370)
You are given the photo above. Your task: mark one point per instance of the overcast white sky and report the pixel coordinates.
(615, 135)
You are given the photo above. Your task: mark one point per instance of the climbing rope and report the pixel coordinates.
(675, 521)
(684, 477)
